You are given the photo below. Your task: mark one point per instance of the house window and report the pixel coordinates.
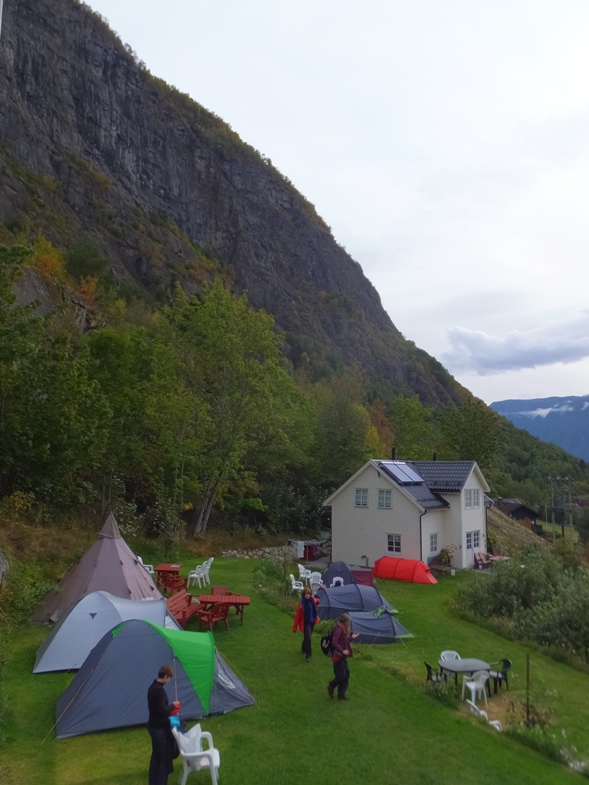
(473, 540)
(471, 499)
(433, 543)
(361, 497)
(385, 500)
(394, 543)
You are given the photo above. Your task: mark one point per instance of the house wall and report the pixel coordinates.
(362, 531)
(434, 522)
(461, 521)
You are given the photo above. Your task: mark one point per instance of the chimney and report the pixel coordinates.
(435, 456)
(394, 454)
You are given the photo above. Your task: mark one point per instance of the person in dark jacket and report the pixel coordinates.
(342, 649)
(305, 620)
(158, 725)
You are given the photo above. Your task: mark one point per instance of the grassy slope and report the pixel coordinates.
(390, 731)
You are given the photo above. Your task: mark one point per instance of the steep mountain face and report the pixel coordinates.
(563, 421)
(94, 147)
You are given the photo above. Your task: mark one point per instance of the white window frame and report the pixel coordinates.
(361, 497)
(393, 543)
(433, 542)
(384, 496)
(472, 499)
(476, 539)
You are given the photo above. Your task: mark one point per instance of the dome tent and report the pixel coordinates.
(409, 570)
(377, 627)
(340, 569)
(108, 565)
(344, 599)
(81, 627)
(110, 689)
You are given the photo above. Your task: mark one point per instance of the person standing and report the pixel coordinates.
(158, 725)
(341, 644)
(305, 620)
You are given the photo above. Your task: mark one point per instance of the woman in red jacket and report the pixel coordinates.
(305, 619)
(342, 649)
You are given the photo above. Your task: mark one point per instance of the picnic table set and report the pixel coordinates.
(210, 608)
(476, 677)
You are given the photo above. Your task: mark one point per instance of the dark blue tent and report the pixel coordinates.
(338, 569)
(381, 628)
(344, 599)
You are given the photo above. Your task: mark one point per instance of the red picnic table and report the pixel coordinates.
(238, 601)
(164, 572)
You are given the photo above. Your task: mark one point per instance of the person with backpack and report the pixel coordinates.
(341, 647)
(305, 620)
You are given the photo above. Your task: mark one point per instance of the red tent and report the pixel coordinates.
(409, 570)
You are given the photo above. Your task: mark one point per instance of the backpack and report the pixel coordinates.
(326, 647)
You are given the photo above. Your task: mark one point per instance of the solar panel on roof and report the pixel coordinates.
(401, 472)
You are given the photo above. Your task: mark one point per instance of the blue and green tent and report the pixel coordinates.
(110, 689)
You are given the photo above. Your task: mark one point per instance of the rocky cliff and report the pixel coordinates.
(92, 146)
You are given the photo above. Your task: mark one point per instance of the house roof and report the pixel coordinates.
(417, 490)
(448, 476)
(422, 481)
(511, 506)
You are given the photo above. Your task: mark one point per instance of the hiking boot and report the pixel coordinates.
(343, 698)
(330, 690)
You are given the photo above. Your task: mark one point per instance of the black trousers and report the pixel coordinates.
(341, 672)
(306, 645)
(162, 755)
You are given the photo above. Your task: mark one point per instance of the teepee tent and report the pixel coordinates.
(344, 599)
(80, 628)
(110, 689)
(109, 565)
(377, 627)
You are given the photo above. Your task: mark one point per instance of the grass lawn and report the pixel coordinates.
(391, 730)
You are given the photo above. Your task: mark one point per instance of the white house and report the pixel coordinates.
(410, 509)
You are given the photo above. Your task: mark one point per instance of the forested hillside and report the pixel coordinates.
(202, 350)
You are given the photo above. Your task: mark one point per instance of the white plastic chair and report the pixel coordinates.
(304, 574)
(450, 655)
(196, 576)
(481, 713)
(296, 585)
(316, 581)
(476, 683)
(194, 757)
(207, 568)
(148, 567)
(337, 582)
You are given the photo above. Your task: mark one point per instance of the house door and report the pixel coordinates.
(473, 544)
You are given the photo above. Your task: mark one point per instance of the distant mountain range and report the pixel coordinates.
(563, 421)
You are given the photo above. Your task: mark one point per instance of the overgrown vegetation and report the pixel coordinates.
(539, 595)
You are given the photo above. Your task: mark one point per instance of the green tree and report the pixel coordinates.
(414, 436)
(470, 432)
(232, 363)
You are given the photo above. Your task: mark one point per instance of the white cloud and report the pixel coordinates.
(476, 351)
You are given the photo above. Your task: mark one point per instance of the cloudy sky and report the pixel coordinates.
(446, 144)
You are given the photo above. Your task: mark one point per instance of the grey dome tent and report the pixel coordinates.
(377, 627)
(340, 569)
(110, 689)
(81, 627)
(109, 565)
(344, 599)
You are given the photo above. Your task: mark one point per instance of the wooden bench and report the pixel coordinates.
(182, 608)
(482, 560)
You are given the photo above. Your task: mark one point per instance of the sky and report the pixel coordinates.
(445, 144)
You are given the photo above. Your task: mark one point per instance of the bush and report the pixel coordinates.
(25, 588)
